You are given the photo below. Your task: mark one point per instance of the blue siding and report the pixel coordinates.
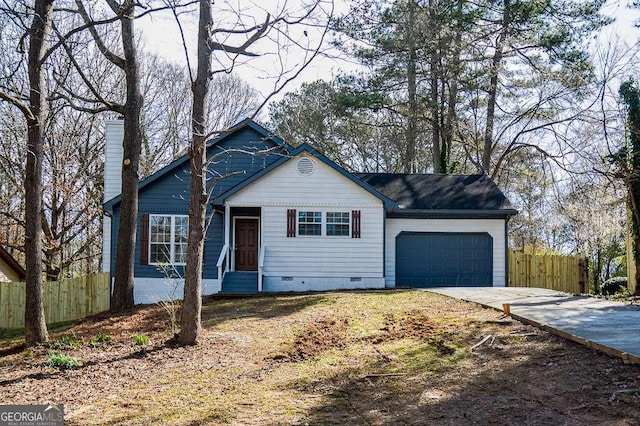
(170, 195)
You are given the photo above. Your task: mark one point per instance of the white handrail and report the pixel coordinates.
(263, 252)
(223, 254)
(221, 258)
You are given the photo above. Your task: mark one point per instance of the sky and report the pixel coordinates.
(281, 53)
(277, 51)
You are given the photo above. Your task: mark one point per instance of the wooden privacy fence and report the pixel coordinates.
(555, 272)
(64, 300)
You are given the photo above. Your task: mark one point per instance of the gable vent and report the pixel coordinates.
(305, 166)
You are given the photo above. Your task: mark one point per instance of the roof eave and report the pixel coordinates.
(454, 213)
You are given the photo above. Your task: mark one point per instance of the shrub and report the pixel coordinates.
(613, 285)
(67, 341)
(101, 338)
(58, 360)
(140, 340)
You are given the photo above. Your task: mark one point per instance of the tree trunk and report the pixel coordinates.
(494, 72)
(412, 119)
(122, 297)
(449, 126)
(35, 325)
(434, 101)
(190, 324)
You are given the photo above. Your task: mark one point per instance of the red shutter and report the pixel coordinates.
(355, 224)
(144, 239)
(291, 223)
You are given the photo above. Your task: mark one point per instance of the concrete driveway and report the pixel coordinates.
(611, 327)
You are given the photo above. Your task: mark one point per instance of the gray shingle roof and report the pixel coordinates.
(438, 191)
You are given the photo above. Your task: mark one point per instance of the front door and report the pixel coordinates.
(246, 239)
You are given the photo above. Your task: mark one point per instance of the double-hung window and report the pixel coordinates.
(310, 223)
(323, 224)
(337, 224)
(168, 242)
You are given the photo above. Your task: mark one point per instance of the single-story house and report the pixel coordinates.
(10, 269)
(290, 219)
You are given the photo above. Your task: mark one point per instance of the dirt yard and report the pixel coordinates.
(397, 357)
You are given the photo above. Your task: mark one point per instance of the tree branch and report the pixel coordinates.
(112, 57)
(18, 104)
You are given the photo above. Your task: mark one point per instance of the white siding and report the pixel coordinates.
(6, 273)
(494, 227)
(322, 256)
(106, 244)
(316, 262)
(285, 187)
(113, 152)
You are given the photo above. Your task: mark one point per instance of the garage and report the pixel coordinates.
(444, 259)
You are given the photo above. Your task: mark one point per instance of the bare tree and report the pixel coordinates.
(128, 62)
(215, 39)
(34, 108)
(166, 111)
(190, 325)
(72, 180)
(12, 155)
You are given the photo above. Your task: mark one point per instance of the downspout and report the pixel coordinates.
(384, 245)
(506, 252)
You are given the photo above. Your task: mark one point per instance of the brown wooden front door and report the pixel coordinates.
(246, 239)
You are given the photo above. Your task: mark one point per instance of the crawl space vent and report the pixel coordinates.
(305, 166)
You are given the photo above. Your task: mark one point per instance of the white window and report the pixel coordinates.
(310, 223)
(168, 239)
(337, 224)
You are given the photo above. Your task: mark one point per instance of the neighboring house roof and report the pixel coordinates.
(12, 263)
(388, 202)
(453, 194)
(108, 206)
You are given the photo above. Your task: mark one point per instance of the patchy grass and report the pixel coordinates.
(398, 357)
